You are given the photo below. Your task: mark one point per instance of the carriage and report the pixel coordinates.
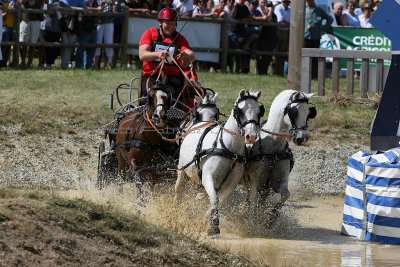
(126, 99)
(290, 111)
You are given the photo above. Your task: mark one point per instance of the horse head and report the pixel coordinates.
(158, 101)
(207, 109)
(247, 112)
(296, 113)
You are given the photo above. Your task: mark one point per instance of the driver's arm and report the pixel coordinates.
(146, 55)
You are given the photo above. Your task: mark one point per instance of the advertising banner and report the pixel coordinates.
(350, 38)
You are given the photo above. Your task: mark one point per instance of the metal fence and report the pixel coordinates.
(223, 50)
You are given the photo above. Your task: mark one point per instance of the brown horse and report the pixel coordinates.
(139, 147)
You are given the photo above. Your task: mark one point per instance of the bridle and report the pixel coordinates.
(237, 111)
(158, 87)
(196, 114)
(293, 112)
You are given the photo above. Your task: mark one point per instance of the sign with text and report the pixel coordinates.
(350, 38)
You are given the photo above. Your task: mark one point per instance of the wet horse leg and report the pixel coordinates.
(208, 183)
(179, 186)
(276, 211)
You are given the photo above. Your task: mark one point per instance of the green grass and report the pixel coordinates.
(56, 101)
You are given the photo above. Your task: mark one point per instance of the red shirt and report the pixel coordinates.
(151, 35)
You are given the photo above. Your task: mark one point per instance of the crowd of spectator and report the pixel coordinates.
(84, 29)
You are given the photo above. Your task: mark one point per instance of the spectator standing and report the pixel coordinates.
(201, 10)
(313, 28)
(50, 31)
(7, 34)
(29, 29)
(338, 12)
(134, 6)
(210, 5)
(183, 7)
(219, 10)
(252, 32)
(282, 12)
(68, 35)
(358, 11)
(377, 3)
(87, 34)
(164, 4)
(231, 57)
(238, 36)
(267, 40)
(262, 8)
(366, 15)
(105, 34)
(349, 18)
(152, 6)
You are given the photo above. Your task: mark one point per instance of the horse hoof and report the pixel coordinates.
(213, 232)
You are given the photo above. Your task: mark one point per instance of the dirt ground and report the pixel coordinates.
(35, 232)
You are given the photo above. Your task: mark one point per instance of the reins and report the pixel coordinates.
(181, 136)
(277, 134)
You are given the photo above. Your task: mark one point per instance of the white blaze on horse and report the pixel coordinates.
(213, 156)
(271, 158)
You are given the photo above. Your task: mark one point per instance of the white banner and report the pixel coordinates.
(198, 34)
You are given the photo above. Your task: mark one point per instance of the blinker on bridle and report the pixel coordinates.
(236, 112)
(293, 112)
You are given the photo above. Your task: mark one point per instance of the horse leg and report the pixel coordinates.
(208, 183)
(179, 185)
(253, 197)
(137, 179)
(277, 209)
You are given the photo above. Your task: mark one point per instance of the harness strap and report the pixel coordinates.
(214, 151)
(277, 134)
(136, 143)
(128, 131)
(179, 137)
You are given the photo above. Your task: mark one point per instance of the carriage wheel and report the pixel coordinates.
(101, 168)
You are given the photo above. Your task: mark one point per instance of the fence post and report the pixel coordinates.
(306, 75)
(350, 76)
(224, 43)
(364, 78)
(379, 76)
(124, 40)
(335, 75)
(321, 75)
(16, 46)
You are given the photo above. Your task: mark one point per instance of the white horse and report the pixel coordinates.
(207, 109)
(210, 155)
(271, 158)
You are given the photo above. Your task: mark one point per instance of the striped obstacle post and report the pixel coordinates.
(372, 202)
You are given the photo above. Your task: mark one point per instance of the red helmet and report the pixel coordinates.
(168, 14)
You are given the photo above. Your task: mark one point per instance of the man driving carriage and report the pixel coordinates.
(158, 44)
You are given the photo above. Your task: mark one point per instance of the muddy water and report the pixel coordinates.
(312, 239)
(307, 234)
